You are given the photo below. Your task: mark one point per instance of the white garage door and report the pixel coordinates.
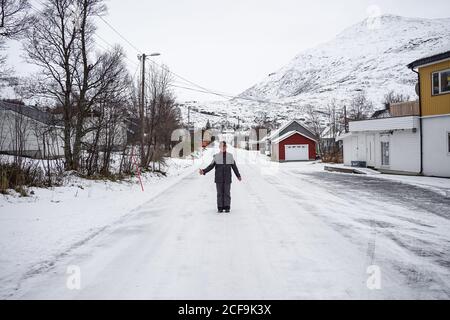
(296, 152)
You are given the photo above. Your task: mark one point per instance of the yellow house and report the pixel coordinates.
(434, 87)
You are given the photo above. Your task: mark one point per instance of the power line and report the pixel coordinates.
(152, 61)
(95, 34)
(200, 89)
(112, 47)
(189, 82)
(216, 93)
(205, 90)
(119, 34)
(228, 96)
(182, 78)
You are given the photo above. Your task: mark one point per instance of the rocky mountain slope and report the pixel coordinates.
(369, 56)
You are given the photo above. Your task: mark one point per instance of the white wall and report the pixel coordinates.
(275, 152)
(404, 149)
(15, 127)
(347, 149)
(355, 148)
(436, 158)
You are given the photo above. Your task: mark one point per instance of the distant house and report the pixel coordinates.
(293, 141)
(242, 139)
(328, 140)
(30, 132)
(411, 137)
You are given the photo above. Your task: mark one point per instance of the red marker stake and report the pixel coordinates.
(137, 168)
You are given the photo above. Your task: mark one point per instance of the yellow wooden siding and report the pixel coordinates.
(438, 104)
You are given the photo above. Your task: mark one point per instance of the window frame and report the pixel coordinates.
(448, 143)
(439, 83)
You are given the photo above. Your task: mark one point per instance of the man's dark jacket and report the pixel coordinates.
(223, 162)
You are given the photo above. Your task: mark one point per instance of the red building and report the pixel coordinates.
(293, 146)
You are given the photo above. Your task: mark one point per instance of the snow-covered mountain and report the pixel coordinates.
(371, 55)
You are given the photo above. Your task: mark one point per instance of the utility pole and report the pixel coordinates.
(143, 57)
(189, 117)
(345, 119)
(142, 110)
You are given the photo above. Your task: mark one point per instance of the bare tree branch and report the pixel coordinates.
(14, 18)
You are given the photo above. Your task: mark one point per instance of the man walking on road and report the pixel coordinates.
(223, 162)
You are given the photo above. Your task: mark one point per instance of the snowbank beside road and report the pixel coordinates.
(36, 230)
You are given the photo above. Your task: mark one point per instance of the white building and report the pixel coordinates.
(436, 145)
(387, 144)
(414, 138)
(29, 132)
(434, 86)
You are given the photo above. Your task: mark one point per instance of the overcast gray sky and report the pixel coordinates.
(230, 45)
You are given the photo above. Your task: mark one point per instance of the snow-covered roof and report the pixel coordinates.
(289, 134)
(30, 112)
(430, 59)
(276, 133)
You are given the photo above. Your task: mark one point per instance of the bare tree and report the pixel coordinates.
(91, 73)
(393, 97)
(162, 116)
(262, 120)
(73, 73)
(360, 107)
(17, 129)
(14, 18)
(107, 127)
(50, 45)
(315, 124)
(4, 70)
(331, 149)
(335, 118)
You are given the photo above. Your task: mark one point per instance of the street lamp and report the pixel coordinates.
(154, 54)
(142, 115)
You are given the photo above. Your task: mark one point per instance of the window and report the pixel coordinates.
(445, 81)
(435, 83)
(441, 82)
(385, 153)
(448, 141)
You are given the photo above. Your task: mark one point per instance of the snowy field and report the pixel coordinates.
(38, 230)
(295, 232)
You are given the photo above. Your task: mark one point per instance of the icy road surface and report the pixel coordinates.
(295, 232)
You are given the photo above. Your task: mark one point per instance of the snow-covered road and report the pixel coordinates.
(294, 233)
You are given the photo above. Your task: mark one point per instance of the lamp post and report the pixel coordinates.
(142, 58)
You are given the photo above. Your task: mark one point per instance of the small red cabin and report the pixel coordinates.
(293, 146)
